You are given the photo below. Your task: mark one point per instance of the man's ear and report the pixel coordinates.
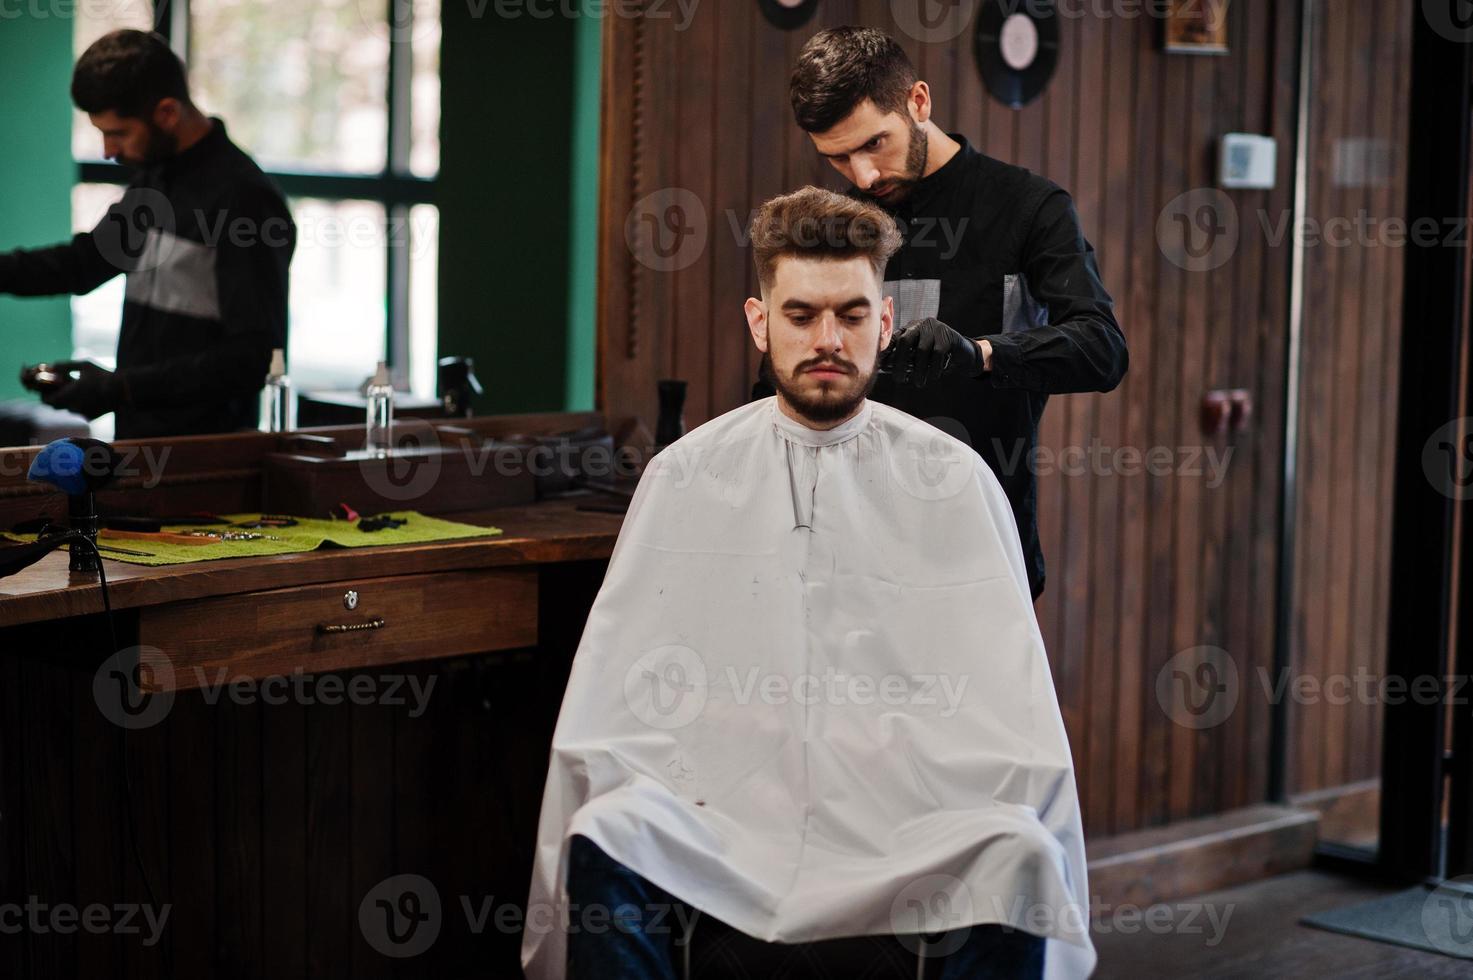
(167, 113)
(756, 312)
(887, 322)
(919, 102)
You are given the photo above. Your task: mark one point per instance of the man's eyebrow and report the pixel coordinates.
(835, 156)
(845, 307)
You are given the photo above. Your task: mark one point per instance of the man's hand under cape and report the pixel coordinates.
(927, 350)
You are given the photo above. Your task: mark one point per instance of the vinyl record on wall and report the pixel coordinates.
(788, 14)
(1017, 52)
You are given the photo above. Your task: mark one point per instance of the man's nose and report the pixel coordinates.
(866, 174)
(828, 337)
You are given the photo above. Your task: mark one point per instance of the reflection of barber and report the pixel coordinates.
(997, 290)
(204, 238)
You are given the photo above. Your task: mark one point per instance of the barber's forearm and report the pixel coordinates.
(1083, 354)
(73, 268)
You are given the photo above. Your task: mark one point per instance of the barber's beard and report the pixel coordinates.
(834, 401)
(161, 146)
(915, 168)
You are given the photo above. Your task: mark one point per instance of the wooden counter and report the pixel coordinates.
(264, 821)
(549, 531)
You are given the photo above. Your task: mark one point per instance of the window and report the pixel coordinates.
(341, 106)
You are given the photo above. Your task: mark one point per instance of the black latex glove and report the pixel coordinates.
(95, 390)
(927, 350)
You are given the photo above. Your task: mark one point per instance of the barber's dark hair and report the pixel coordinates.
(130, 73)
(815, 223)
(841, 67)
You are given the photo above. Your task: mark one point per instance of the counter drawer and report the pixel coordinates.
(337, 626)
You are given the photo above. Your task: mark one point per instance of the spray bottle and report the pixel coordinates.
(278, 400)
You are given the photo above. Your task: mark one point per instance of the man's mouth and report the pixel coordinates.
(827, 371)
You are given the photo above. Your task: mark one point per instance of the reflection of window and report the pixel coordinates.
(339, 101)
(96, 316)
(301, 84)
(337, 306)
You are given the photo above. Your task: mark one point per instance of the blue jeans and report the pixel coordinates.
(623, 927)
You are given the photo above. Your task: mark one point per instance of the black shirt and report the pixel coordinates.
(996, 253)
(205, 240)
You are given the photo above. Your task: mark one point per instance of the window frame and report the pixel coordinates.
(395, 187)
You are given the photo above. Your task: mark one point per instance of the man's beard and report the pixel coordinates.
(825, 406)
(915, 169)
(161, 146)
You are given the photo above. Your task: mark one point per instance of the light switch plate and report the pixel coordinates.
(1247, 161)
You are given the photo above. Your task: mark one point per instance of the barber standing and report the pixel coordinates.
(204, 238)
(997, 287)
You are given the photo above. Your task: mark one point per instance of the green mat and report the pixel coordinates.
(308, 534)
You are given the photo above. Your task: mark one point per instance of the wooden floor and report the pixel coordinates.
(1257, 934)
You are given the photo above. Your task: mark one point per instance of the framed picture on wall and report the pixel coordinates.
(1197, 27)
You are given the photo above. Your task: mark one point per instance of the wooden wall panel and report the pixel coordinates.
(1352, 335)
(1141, 567)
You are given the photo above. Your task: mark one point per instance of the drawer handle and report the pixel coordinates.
(377, 623)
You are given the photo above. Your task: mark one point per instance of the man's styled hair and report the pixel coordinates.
(815, 223)
(128, 72)
(841, 67)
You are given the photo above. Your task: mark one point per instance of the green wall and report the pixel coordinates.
(36, 176)
(518, 204)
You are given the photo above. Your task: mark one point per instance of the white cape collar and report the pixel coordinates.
(797, 432)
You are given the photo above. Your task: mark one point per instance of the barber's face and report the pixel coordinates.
(821, 328)
(882, 154)
(136, 142)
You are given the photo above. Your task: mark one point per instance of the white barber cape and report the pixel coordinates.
(812, 700)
